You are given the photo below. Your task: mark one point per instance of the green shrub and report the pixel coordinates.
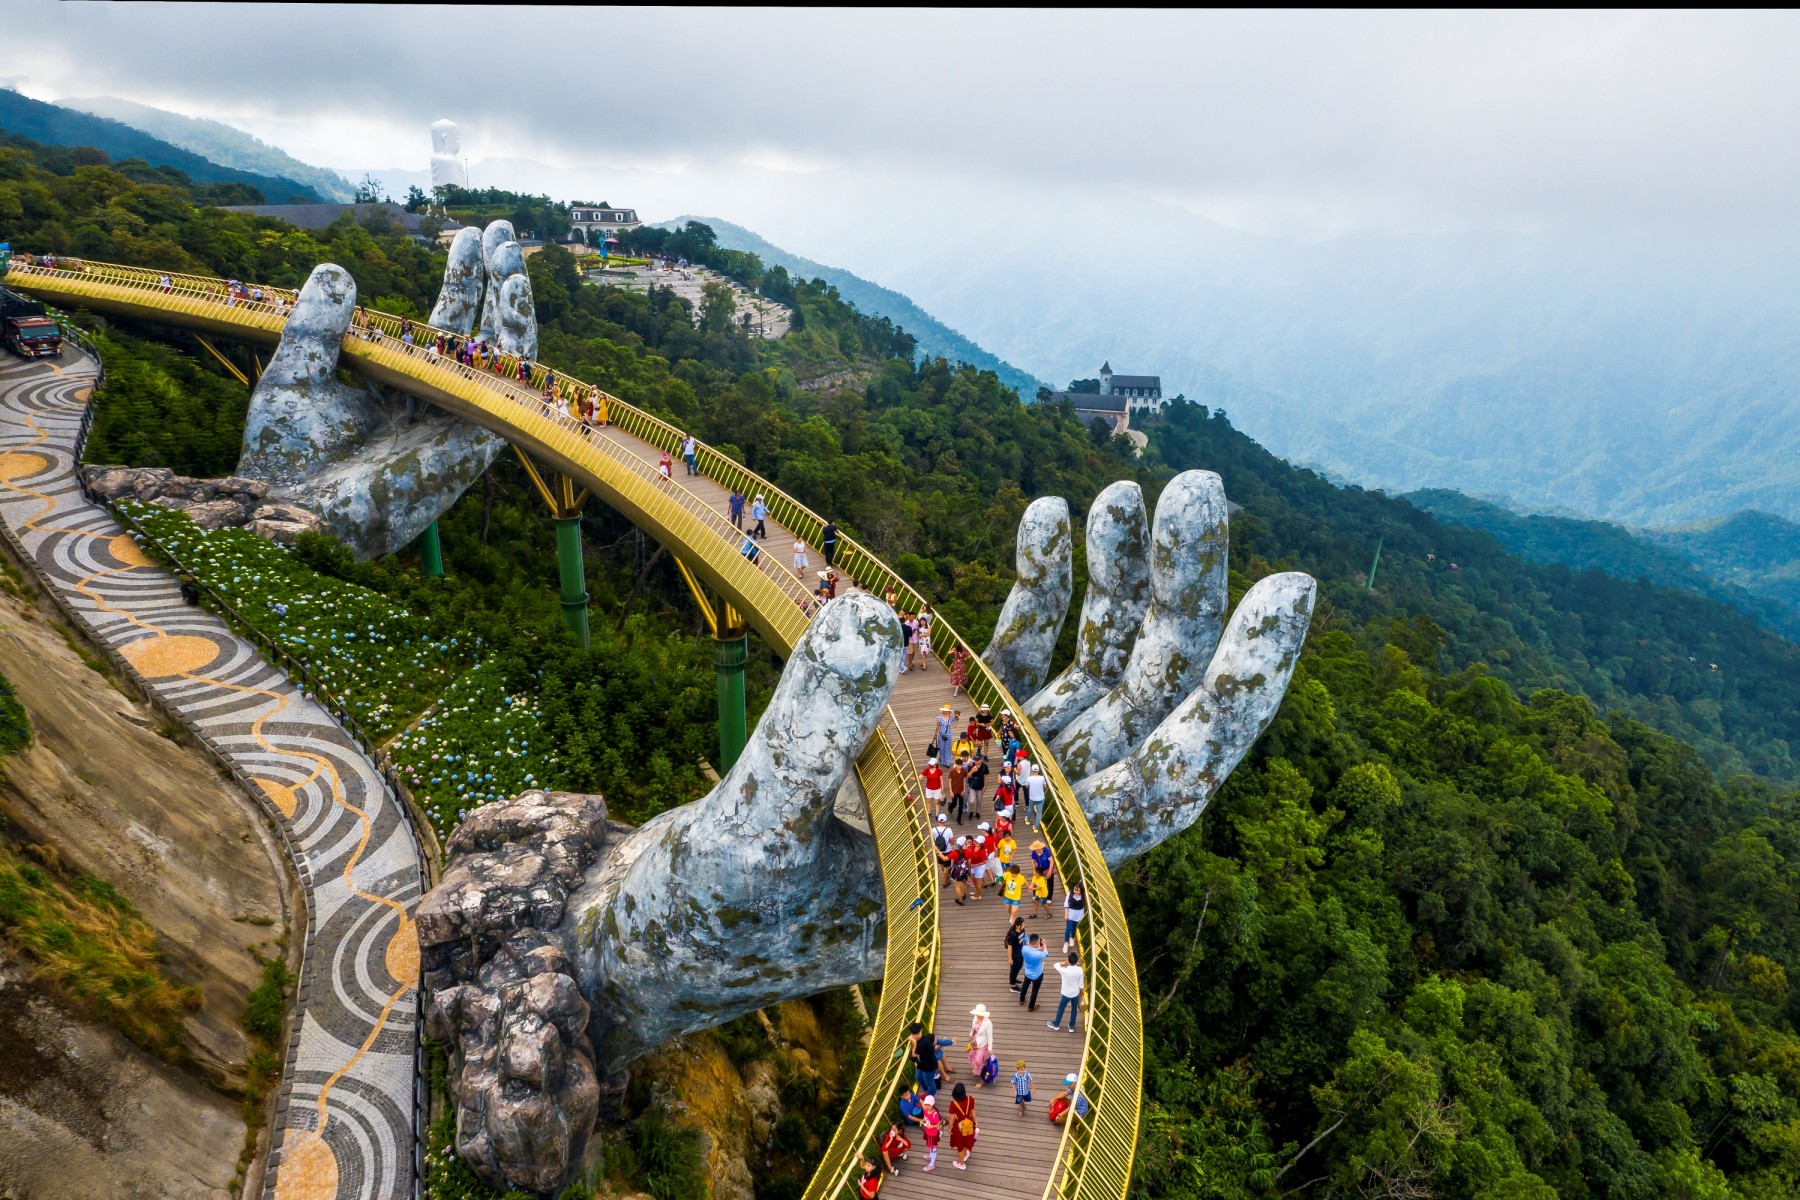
(15, 726)
(266, 1012)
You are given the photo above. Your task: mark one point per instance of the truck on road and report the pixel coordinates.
(26, 327)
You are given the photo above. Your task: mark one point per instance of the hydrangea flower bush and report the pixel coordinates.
(476, 745)
(375, 657)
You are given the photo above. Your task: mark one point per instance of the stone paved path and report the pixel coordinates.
(345, 1112)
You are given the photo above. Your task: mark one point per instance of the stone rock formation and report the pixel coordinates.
(503, 990)
(759, 892)
(233, 502)
(465, 278)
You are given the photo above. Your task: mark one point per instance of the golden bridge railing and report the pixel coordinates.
(1097, 1153)
(909, 978)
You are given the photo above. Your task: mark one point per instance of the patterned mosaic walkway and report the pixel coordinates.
(345, 1113)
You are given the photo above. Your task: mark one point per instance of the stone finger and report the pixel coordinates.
(516, 324)
(1163, 787)
(493, 237)
(1118, 563)
(1188, 593)
(1033, 615)
(465, 278)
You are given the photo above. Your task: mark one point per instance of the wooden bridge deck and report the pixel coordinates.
(1014, 1155)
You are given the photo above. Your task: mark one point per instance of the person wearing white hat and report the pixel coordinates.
(759, 512)
(981, 1045)
(942, 843)
(932, 1125)
(960, 868)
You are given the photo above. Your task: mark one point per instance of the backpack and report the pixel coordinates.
(943, 841)
(990, 1070)
(959, 870)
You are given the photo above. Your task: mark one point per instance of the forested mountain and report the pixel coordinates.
(217, 142)
(1754, 550)
(1468, 923)
(1750, 561)
(935, 338)
(52, 125)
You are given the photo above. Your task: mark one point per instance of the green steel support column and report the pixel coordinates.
(431, 552)
(574, 579)
(729, 656)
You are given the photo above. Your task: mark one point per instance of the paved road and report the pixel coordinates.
(346, 1106)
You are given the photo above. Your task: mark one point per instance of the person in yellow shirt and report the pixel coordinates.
(1040, 894)
(1005, 850)
(1012, 892)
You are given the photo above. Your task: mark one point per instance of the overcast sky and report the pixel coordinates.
(829, 130)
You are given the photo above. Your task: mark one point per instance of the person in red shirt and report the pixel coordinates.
(933, 775)
(990, 845)
(976, 854)
(869, 1186)
(894, 1146)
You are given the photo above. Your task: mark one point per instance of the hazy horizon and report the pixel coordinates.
(1449, 249)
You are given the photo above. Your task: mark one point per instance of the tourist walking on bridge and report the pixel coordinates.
(759, 512)
(932, 1123)
(690, 454)
(828, 542)
(1031, 970)
(962, 1125)
(1070, 999)
(981, 1045)
(1074, 909)
(1015, 950)
(1034, 796)
(734, 505)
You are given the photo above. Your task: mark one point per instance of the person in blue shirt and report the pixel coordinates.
(1033, 954)
(735, 506)
(912, 1106)
(759, 512)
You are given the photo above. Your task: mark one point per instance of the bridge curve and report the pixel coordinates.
(1086, 1160)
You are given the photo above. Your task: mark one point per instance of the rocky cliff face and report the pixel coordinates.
(108, 789)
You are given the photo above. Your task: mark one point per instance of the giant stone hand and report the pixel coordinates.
(378, 469)
(557, 949)
(754, 894)
(1171, 706)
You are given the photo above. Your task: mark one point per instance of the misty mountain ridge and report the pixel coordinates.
(1749, 560)
(55, 125)
(216, 142)
(1651, 383)
(934, 337)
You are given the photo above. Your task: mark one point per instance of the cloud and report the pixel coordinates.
(1300, 122)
